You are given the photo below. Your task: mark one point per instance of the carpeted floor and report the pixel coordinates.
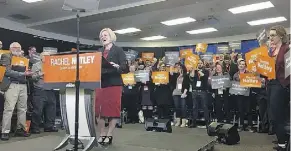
(135, 138)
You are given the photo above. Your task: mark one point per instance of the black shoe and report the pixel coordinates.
(193, 125)
(278, 148)
(5, 136)
(52, 129)
(35, 131)
(271, 132)
(275, 142)
(102, 140)
(22, 133)
(109, 142)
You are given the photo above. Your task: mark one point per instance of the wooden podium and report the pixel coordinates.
(60, 71)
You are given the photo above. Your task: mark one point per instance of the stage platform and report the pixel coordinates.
(135, 138)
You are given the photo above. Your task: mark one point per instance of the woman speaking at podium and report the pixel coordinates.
(108, 98)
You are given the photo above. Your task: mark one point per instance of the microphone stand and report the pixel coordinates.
(77, 82)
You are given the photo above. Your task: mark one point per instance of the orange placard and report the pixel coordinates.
(266, 66)
(252, 56)
(250, 80)
(128, 79)
(62, 68)
(201, 47)
(4, 52)
(147, 56)
(185, 52)
(20, 61)
(172, 69)
(27, 126)
(2, 72)
(191, 61)
(160, 77)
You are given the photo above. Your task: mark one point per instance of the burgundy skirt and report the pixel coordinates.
(108, 102)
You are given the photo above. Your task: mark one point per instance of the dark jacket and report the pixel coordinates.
(10, 75)
(233, 68)
(280, 66)
(203, 79)
(112, 76)
(185, 83)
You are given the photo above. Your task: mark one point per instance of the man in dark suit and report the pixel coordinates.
(15, 90)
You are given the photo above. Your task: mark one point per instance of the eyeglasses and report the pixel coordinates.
(272, 36)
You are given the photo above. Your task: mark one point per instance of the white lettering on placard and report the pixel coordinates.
(265, 65)
(84, 60)
(60, 62)
(250, 80)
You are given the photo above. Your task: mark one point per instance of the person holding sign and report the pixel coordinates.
(130, 97)
(277, 88)
(181, 83)
(221, 97)
(14, 86)
(162, 93)
(199, 86)
(108, 98)
(243, 102)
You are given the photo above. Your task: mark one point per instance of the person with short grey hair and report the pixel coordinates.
(15, 92)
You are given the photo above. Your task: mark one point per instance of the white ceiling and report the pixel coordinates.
(146, 15)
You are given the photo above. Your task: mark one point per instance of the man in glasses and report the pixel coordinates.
(14, 86)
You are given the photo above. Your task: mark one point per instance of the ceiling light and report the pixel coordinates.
(31, 1)
(267, 21)
(178, 21)
(127, 30)
(153, 38)
(251, 7)
(199, 31)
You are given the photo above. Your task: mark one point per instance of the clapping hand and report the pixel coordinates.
(114, 65)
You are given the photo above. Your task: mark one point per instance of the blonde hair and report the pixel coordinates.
(281, 32)
(111, 34)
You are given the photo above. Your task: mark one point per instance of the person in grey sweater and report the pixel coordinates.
(44, 100)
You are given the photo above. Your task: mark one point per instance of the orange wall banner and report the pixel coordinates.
(147, 56)
(128, 79)
(250, 80)
(20, 61)
(266, 66)
(2, 72)
(185, 52)
(252, 56)
(160, 77)
(62, 68)
(191, 61)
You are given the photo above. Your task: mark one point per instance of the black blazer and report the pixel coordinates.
(185, 83)
(112, 77)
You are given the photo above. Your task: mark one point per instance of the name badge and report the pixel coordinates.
(179, 86)
(145, 88)
(130, 87)
(198, 84)
(220, 91)
(190, 89)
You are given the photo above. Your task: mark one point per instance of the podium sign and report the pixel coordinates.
(60, 73)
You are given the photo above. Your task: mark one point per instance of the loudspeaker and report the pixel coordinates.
(212, 128)
(163, 125)
(228, 134)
